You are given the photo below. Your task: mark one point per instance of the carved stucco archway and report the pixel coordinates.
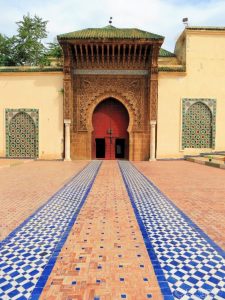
(128, 91)
(130, 109)
(105, 96)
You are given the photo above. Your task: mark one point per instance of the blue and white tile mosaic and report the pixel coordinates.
(188, 265)
(28, 254)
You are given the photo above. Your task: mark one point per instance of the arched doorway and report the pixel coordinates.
(110, 139)
(22, 136)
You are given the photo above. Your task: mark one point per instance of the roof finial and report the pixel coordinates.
(110, 20)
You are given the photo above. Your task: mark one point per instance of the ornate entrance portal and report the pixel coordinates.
(111, 63)
(110, 139)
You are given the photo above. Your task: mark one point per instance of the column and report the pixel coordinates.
(67, 140)
(152, 140)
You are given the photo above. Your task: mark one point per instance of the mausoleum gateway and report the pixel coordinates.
(119, 95)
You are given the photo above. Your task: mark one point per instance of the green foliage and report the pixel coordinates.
(54, 50)
(29, 48)
(26, 48)
(7, 51)
(55, 53)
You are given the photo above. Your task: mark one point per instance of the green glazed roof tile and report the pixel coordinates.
(30, 69)
(171, 69)
(165, 53)
(205, 28)
(110, 32)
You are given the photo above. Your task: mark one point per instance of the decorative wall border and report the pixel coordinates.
(12, 112)
(210, 103)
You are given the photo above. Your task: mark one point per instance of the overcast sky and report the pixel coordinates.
(163, 17)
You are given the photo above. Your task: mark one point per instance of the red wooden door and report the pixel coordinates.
(110, 122)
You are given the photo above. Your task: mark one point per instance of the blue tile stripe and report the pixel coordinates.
(18, 228)
(210, 241)
(187, 263)
(28, 254)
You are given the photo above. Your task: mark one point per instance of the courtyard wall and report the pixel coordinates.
(204, 78)
(41, 91)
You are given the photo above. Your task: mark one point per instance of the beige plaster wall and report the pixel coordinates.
(37, 91)
(204, 78)
(204, 54)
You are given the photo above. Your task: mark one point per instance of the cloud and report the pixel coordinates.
(158, 16)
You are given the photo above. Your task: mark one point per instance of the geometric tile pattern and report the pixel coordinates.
(182, 255)
(22, 133)
(198, 123)
(104, 256)
(28, 254)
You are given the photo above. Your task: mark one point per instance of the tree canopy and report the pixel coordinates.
(7, 51)
(27, 47)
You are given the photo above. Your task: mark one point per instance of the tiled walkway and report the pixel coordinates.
(24, 187)
(199, 191)
(33, 247)
(183, 255)
(6, 163)
(105, 255)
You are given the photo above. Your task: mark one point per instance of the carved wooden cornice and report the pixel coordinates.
(121, 55)
(113, 55)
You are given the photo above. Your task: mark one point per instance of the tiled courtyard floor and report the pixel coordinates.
(105, 235)
(24, 187)
(106, 255)
(197, 190)
(4, 163)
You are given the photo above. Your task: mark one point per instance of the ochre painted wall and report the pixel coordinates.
(204, 54)
(38, 91)
(204, 78)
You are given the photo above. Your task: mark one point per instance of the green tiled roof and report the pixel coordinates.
(165, 53)
(171, 69)
(205, 28)
(30, 69)
(110, 32)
